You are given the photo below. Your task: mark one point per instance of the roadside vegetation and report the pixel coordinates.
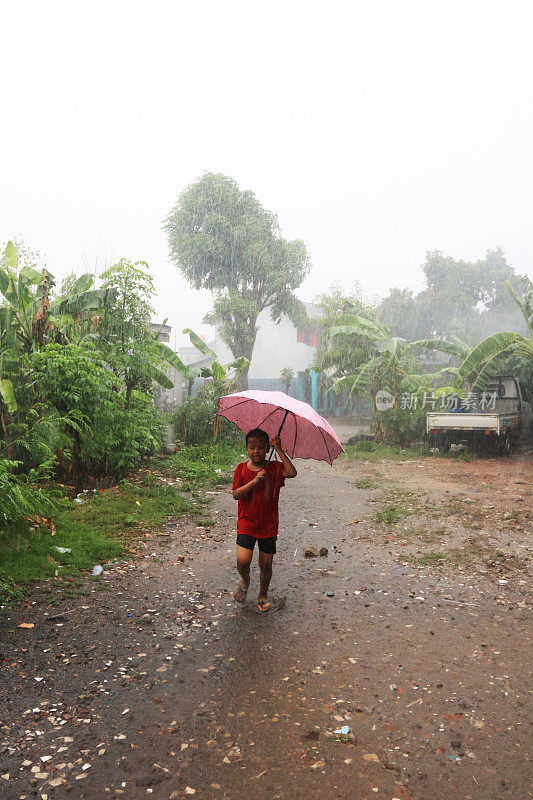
(78, 366)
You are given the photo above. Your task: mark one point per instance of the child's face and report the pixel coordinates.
(256, 449)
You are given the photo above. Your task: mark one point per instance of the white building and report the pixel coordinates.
(277, 346)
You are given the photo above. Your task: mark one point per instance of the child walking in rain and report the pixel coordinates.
(256, 486)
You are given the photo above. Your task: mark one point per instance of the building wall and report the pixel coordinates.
(276, 347)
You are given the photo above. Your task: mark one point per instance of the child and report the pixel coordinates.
(256, 487)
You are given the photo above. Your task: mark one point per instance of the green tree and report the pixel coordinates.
(399, 312)
(462, 298)
(29, 319)
(125, 336)
(195, 419)
(342, 353)
(222, 239)
(75, 383)
(286, 376)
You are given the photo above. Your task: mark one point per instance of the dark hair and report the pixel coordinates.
(259, 434)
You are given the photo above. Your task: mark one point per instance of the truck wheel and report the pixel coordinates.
(445, 443)
(505, 445)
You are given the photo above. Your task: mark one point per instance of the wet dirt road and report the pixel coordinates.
(155, 684)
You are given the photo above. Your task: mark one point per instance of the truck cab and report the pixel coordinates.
(512, 397)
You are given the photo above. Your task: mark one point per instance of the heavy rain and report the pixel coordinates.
(266, 286)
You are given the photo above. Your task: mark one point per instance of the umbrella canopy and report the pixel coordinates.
(304, 433)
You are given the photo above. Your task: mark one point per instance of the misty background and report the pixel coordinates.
(376, 132)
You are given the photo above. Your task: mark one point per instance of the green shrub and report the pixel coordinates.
(129, 435)
(403, 427)
(105, 434)
(194, 420)
(209, 463)
(20, 498)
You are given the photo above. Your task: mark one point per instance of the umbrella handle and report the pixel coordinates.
(280, 428)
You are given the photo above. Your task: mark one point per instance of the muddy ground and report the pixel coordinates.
(411, 635)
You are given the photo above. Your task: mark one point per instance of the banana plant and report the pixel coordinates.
(29, 319)
(391, 365)
(225, 376)
(487, 358)
(78, 314)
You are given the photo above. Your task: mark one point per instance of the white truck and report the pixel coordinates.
(498, 417)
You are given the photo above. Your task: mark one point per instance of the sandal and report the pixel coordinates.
(263, 606)
(239, 595)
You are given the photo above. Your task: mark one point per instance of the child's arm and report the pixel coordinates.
(289, 470)
(242, 491)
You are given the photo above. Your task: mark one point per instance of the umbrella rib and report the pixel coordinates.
(268, 415)
(246, 400)
(326, 443)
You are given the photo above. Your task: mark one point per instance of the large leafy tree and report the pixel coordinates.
(30, 317)
(462, 298)
(222, 239)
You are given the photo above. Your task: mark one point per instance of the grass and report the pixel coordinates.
(396, 504)
(371, 451)
(420, 534)
(95, 531)
(466, 455)
(366, 483)
(432, 558)
(104, 525)
(454, 558)
(206, 465)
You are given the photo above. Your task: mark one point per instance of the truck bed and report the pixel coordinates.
(471, 421)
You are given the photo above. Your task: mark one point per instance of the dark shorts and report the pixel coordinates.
(267, 545)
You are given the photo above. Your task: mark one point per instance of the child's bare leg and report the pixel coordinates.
(244, 559)
(265, 575)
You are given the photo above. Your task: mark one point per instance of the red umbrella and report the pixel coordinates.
(303, 432)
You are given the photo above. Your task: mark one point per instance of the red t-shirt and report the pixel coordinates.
(258, 511)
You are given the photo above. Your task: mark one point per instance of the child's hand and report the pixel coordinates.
(261, 475)
(276, 443)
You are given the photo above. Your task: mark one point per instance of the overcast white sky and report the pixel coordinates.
(375, 130)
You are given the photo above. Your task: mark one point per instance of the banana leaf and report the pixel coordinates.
(8, 395)
(360, 381)
(86, 301)
(488, 350)
(442, 346)
(11, 255)
(199, 344)
(359, 326)
(82, 284)
(170, 356)
(162, 379)
(30, 275)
